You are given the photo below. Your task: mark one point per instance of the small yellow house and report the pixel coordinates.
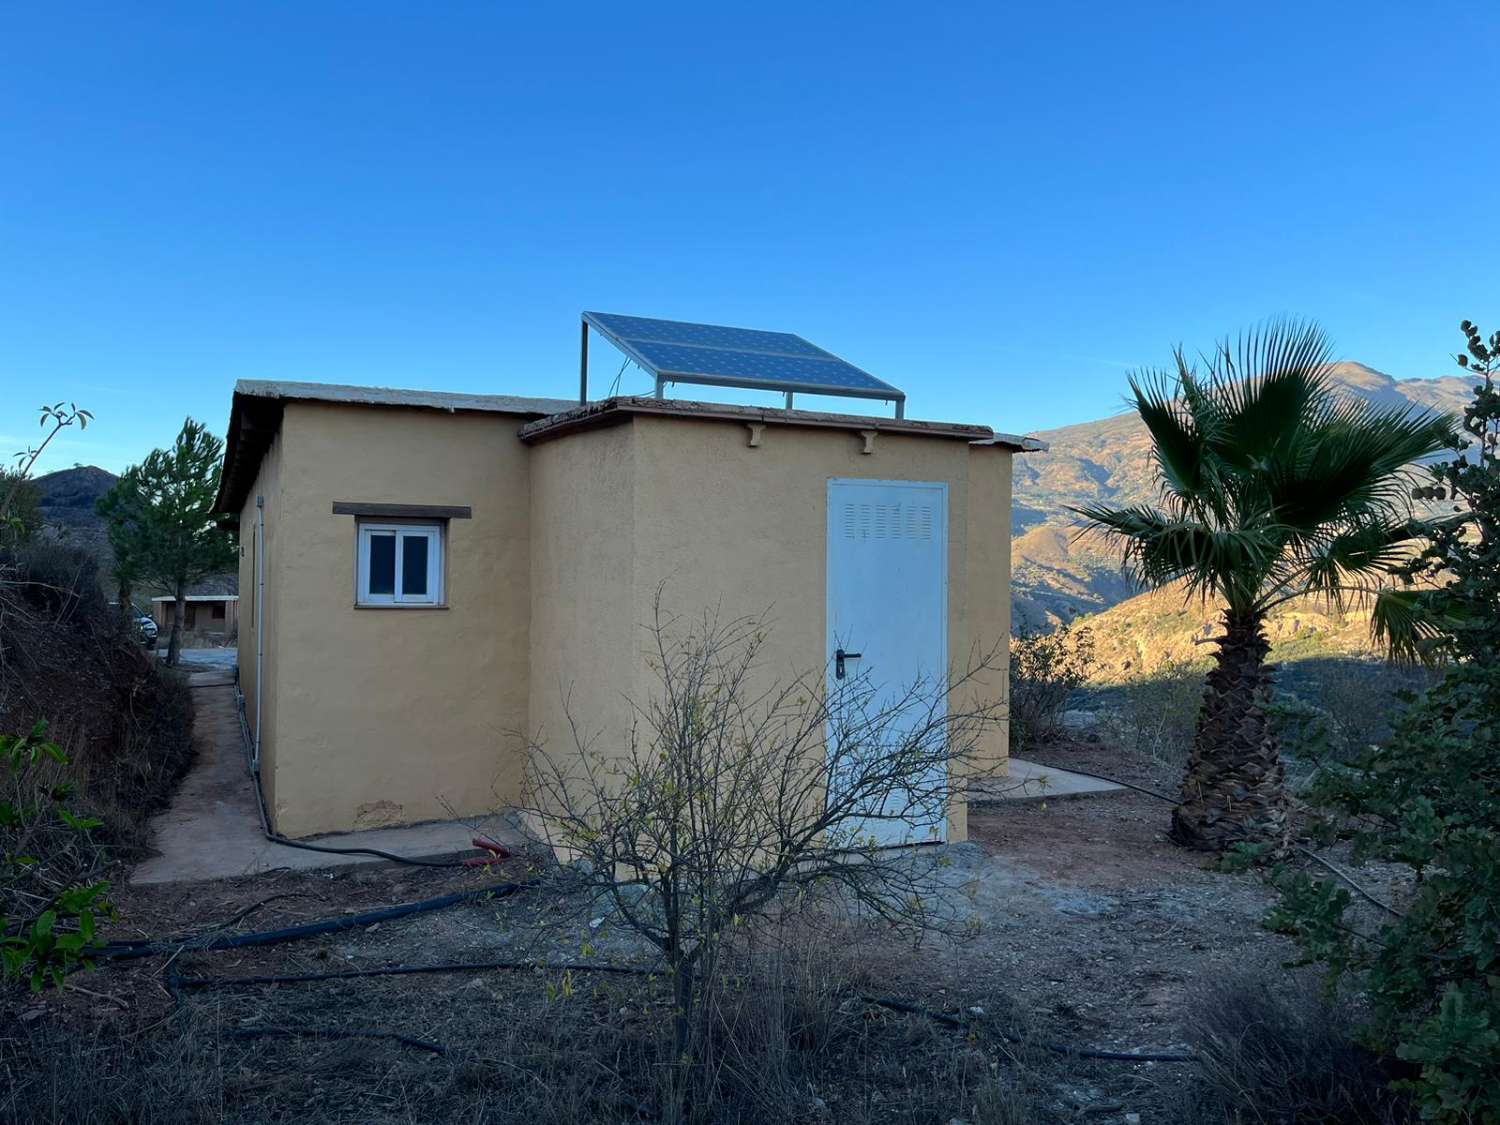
(425, 578)
(206, 614)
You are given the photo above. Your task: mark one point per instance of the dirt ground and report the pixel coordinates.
(1079, 923)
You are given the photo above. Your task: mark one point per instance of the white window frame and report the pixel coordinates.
(432, 532)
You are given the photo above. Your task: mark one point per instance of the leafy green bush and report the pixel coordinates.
(1429, 799)
(49, 909)
(1045, 668)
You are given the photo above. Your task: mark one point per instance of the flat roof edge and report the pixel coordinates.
(1017, 442)
(613, 411)
(292, 391)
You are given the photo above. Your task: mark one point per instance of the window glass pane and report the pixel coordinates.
(414, 564)
(383, 563)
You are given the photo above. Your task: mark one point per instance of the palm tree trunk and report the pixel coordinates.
(1235, 786)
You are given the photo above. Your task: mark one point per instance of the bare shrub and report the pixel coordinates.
(1045, 669)
(727, 797)
(1336, 709)
(1279, 1050)
(1159, 713)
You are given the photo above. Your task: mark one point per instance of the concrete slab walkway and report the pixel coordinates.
(1031, 780)
(212, 829)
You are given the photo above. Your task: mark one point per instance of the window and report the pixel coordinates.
(216, 611)
(400, 564)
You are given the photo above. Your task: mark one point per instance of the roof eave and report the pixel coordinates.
(614, 411)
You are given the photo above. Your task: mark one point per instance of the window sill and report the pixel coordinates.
(408, 606)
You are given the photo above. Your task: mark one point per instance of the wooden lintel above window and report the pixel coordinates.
(403, 511)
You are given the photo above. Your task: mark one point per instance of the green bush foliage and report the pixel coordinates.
(1045, 669)
(1159, 713)
(1428, 798)
(48, 917)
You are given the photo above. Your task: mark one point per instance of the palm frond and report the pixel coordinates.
(1279, 378)
(1409, 626)
(1357, 556)
(1161, 549)
(1177, 445)
(1348, 463)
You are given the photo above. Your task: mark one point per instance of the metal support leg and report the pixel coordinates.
(789, 400)
(583, 362)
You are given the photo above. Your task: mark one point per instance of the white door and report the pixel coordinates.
(888, 630)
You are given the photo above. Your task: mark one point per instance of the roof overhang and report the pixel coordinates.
(1017, 443)
(258, 404)
(615, 411)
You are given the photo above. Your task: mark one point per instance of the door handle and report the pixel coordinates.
(838, 662)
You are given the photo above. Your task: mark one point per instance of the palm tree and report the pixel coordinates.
(1273, 487)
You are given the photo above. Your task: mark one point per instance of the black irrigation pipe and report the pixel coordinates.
(334, 1033)
(405, 970)
(640, 970)
(124, 951)
(1157, 793)
(1308, 852)
(276, 837)
(1011, 1037)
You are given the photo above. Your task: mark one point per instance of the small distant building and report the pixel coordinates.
(204, 614)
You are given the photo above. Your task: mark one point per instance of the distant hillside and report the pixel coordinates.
(1138, 637)
(68, 516)
(67, 506)
(1057, 577)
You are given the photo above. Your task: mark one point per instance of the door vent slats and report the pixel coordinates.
(887, 521)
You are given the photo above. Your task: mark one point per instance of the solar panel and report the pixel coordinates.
(713, 355)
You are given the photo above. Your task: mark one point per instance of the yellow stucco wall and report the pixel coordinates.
(267, 486)
(397, 715)
(378, 716)
(584, 617)
(742, 529)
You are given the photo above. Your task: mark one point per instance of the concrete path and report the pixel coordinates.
(1030, 780)
(212, 829)
(227, 657)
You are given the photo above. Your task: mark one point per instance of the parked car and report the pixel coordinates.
(145, 627)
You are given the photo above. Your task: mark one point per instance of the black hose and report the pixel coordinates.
(276, 838)
(333, 1033)
(120, 951)
(1157, 793)
(1011, 1037)
(638, 970)
(1343, 876)
(404, 970)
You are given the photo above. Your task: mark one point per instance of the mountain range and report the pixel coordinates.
(1059, 575)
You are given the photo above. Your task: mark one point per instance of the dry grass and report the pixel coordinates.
(1278, 1050)
(789, 1040)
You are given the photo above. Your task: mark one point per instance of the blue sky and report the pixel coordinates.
(1000, 208)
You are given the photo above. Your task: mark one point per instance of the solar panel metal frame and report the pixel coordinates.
(883, 393)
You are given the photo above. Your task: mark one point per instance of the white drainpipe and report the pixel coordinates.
(260, 619)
